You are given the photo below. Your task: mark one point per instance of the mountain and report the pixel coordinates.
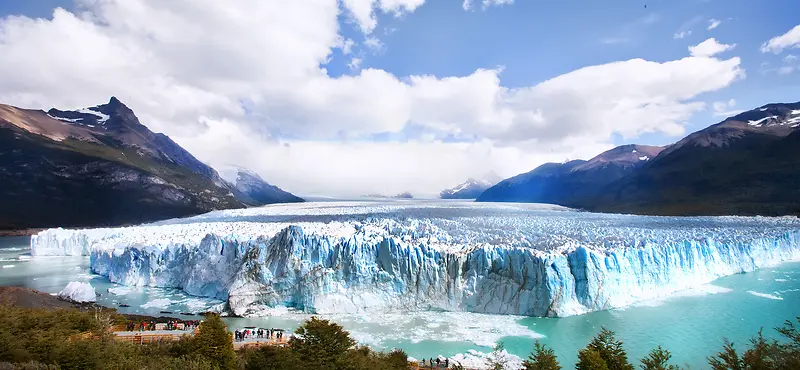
(252, 190)
(97, 166)
(470, 189)
(568, 183)
(748, 164)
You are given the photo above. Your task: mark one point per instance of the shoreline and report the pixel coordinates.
(21, 232)
(33, 299)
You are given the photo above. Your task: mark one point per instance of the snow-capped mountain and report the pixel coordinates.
(251, 189)
(563, 183)
(747, 164)
(98, 166)
(471, 188)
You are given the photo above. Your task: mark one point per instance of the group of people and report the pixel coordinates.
(241, 335)
(170, 325)
(437, 363)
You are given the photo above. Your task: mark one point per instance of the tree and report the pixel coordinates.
(788, 353)
(658, 360)
(498, 359)
(215, 342)
(728, 359)
(610, 350)
(762, 355)
(321, 344)
(542, 358)
(589, 359)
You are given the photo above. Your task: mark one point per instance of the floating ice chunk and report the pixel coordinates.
(479, 360)
(120, 290)
(765, 295)
(699, 291)
(158, 303)
(78, 292)
(644, 158)
(781, 280)
(8, 266)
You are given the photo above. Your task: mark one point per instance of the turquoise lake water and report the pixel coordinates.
(692, 324)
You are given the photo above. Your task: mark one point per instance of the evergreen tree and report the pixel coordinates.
(658, 360)
(590, 359)
(215, 342)
(542, 358)
(610, 350)
(321, 344)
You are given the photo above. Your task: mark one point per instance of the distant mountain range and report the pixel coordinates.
(747, 164)
(471, 188)
(252, 190)
(404, 195)
(100, 166)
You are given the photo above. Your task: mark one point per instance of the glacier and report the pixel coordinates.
(363, 257)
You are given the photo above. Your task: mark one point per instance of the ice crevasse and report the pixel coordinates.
(499, 259)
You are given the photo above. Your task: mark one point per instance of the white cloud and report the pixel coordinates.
(363, 11)
(373, 43)
(485, 4)
(709, 48)
(725, 108)
(713, 23)
(791, 64)
(789, 39)
(398, 7)
(785, 70)
(235, 81)
(682, 34)
(614, 40)
(347, 46)
(355, 64)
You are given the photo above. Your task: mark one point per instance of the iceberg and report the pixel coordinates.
(78, 292)
(363, 257)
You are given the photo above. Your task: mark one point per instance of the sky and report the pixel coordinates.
(353, 97)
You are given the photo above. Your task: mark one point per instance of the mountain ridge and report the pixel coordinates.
(471, 188)
(747, 164)
(98, 166)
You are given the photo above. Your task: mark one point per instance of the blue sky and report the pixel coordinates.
(422, 93)
(537, 40)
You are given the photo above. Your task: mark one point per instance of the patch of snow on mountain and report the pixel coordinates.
(759, 122)
(64, 119)
(102, 117)
(644, 158)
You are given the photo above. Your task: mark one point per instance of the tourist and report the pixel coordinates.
(447, 363)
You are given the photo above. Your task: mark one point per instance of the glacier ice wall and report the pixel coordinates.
(496, 259)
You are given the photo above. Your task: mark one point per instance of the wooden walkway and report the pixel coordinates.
(259, 342)
(151, 336)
